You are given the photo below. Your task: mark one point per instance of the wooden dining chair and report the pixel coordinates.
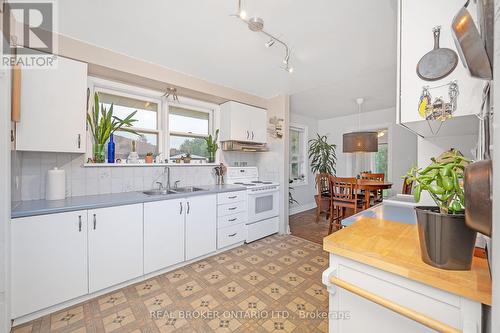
(379, 177)
(407, 187)
(344, 195)
(323, 196)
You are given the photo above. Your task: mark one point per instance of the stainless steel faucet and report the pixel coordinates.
(167, 170)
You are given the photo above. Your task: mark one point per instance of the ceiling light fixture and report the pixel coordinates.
(360, 142)
(270, 43)
(256, 24)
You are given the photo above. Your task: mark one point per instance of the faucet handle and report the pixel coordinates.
(176, 183)
(160, 187)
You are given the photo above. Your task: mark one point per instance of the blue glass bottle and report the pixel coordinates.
(111, 149)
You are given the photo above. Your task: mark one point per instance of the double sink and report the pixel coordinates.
(187, 189)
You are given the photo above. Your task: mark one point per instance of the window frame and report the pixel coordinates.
(120, 89)
(305, 135)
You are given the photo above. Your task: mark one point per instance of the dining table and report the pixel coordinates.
(369, 186)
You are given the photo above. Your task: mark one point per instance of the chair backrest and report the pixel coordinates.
(344, 189)
(322, 184)
(373, 176)
(407, 187)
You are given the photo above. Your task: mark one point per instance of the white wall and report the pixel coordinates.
(402, 144)
(5, 201)
(273, 165)
(304, 193)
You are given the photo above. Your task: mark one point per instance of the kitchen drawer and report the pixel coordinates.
(230, 197)
(231, 208)
(231, 235)
(229, 220)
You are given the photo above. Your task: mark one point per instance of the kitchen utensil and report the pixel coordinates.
(486, 18)
(55, 188)
(470, 46)
(478, 193)
(437, 63)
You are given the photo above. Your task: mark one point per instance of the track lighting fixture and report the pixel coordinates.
(270, 43)
(256, 24)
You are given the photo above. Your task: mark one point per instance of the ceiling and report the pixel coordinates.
(340, 49)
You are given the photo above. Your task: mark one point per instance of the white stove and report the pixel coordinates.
(263, 201)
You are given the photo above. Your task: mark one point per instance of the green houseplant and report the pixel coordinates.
(102, 123)
(322, 155)
(445, 240)
(212, 146)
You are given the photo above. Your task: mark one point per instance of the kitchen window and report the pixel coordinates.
(188, 128)
(298, 154)
(147, 124)
(168, 129)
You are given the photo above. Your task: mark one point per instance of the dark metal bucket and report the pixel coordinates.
(445, 240)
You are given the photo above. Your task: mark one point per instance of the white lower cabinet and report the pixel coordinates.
(163, 234)
(115, 245)
(231, 235)
(201, 225)
(49, 260)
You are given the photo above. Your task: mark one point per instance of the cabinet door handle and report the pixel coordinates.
(79, 223)
(252, 135)
(95, 222)
(180, 212)
(248, 134)
(232, 220)
(233, 197)
(232, 208)
(79, 140)
(232, 235)
(189, 208)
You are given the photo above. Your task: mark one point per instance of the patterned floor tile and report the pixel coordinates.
(112, 300)
(277, 273)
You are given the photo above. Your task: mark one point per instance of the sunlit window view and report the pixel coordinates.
(188, 130)
(146, 125)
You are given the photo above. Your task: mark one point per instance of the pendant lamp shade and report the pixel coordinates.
(357, 142)
(360, 142)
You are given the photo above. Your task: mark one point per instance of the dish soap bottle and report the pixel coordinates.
(111, 149)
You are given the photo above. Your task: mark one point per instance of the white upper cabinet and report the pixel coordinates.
(241, 122)
(49, 260)
(115, 245)
(416, 21)
(53, 108)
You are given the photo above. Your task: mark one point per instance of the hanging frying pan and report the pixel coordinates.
(437, 63)
(470, 46)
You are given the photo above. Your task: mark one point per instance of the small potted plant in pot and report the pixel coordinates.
(149, 158)
(445, 240)
(212, 146)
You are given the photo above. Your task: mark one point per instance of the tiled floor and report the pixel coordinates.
(266, 286)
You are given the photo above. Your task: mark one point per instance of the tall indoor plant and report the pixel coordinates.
(445, 240)
(102, 123)
(322, 155)
(212, 146)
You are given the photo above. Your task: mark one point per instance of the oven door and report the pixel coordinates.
(263, 205)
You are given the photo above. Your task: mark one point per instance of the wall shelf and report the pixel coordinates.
(125, 165)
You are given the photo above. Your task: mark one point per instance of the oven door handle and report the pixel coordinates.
(255, 193)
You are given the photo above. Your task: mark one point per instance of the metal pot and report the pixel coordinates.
(445, 240)
(478, 196)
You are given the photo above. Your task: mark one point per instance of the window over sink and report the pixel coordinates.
(169, 129)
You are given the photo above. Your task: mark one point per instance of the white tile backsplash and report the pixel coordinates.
(32, 167)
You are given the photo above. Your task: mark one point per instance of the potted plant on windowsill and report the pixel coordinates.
(445, 240)
(322, 155)
(102, 123)
(149, 158)
(212, 146)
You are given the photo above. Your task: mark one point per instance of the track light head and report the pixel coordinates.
(270, 42)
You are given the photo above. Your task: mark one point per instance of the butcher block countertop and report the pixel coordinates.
(394, 247)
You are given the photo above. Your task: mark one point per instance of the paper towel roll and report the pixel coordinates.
(55, 186)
